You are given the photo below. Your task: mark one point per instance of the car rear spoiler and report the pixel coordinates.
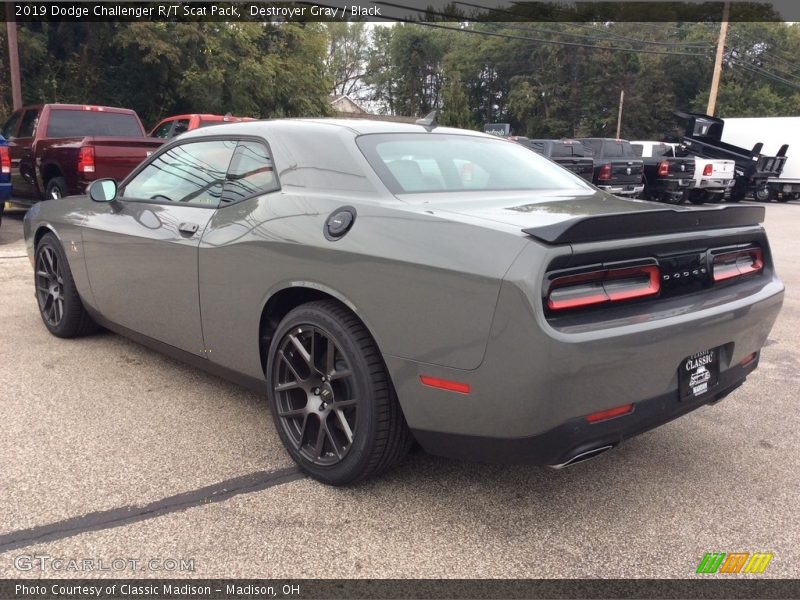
(646, 222)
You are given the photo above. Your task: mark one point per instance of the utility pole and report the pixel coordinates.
(619, 115)
(13, 56)
(723, 33)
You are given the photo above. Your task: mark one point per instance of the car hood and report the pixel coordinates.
(564, 216)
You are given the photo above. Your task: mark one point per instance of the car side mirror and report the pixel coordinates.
(103, 190)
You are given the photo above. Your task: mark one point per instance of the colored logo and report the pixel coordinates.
(734, 562)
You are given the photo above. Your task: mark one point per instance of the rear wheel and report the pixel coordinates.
(697, 196)
(60, 305)
(331, 398)
(56, 188)
(763, 194)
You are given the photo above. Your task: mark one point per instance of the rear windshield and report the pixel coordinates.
(567, 149)
(610, 148)
(430, 162)
(78, 123)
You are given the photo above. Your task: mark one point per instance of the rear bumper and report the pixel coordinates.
(715, 185)
(623, 190)
(561, 444)
(539, 377)
(5, 191)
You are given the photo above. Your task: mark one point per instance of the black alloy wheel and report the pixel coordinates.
(331, 397)
(60, 305)
(315, 394)
(50, 286)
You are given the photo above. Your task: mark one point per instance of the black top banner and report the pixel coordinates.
(403, 11)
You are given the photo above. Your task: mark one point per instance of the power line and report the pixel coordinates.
(614, 34)
(537, 40)
(764, 73)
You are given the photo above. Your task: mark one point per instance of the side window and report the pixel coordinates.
(180, 126)
(191, 173)
(251, 173)
(162, 131)
(10, 128)
(28, 124)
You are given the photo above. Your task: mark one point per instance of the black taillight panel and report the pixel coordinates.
(600, 285)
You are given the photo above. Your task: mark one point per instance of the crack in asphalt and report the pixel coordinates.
(117, 517)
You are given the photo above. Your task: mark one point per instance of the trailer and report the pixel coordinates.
(772, 132)
(703, 138)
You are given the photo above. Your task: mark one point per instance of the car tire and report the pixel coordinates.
(331, 397)
(697, 197)
(763, 194)
(60, 305)
(56, 188)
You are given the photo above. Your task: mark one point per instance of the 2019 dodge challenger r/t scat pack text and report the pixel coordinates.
(385, 283)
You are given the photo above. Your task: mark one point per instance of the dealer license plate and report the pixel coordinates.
(698, 373)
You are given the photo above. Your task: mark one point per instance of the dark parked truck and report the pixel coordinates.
(667, 178)
(58, 149)
(617, 169)
(754, 170)
(570, 154)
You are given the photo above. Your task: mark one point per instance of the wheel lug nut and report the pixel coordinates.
(316, 391)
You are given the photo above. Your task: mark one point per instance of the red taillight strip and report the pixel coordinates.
(611, 413)
(663, 168)
(445, 384)
(598, 292)
(734, 269)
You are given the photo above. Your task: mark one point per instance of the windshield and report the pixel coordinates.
(431, 162)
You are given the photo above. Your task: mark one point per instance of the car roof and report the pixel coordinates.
(354, 126)
(93, 107)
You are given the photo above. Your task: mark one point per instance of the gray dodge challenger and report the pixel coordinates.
(388, 283)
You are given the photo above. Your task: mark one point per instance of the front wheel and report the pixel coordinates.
(331, 398)
(60, 305)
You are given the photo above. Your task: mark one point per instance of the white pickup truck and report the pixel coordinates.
(713, 178)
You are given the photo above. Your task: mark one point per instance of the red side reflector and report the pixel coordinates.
(445, 384)
(5, 161)
(748, 360)
(737, 263)
(708, 170)
(611, 413)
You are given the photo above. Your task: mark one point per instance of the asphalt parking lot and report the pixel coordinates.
(107, 449)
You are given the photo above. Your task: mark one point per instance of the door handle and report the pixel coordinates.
(190, 228)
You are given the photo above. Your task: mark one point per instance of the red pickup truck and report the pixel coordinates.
(58, 149)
